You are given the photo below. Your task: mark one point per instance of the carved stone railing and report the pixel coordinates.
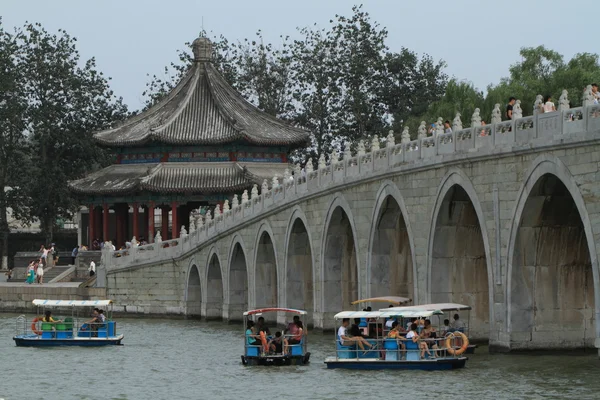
(577, 124)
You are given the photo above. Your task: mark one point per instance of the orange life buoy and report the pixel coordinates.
(450, 345)
(34, 326)
(263, 340)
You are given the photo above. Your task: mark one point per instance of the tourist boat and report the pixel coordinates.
(448, 310)
(70, 331)
(264, 354)
(397, 353)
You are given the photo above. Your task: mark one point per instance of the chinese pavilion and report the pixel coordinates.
(197, 147)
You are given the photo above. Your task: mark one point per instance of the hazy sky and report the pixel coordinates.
(479, 40)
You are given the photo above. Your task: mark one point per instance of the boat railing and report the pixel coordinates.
(21, 325)
(397, 349)
(291, 349)
(69, 328)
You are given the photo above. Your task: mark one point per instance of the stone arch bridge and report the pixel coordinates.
(505, 218)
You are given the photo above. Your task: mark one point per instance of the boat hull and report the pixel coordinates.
(376, 364)
(276, 360)
(37, 341)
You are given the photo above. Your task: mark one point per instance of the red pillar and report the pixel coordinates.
(136, 221)
(120, 224)
(151, 222)
(92, 225)
(105, 214)
(174, 221)
(164, 230)
(97, 223)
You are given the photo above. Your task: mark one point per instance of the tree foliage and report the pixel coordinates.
(62, 101)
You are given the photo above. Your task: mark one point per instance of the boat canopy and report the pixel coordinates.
(71, 303)
(397, 300)
(274, 309)
(387, 313)
(442, 307)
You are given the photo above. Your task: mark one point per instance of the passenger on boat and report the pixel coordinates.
(48, 317)
(355, 328)
(262, 327)
(414, 336)
(430, 333)
(409, 324)
(278, 344)
(292, 327)
(347, 340)
(457, 324)
(252, 339)
(446, 328)
(94, 322)
(297, 336)
(396, 333)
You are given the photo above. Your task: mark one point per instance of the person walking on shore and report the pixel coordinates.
(92, 268)
(40, 273)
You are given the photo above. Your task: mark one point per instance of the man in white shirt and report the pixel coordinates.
(92, 268)
(346, 340)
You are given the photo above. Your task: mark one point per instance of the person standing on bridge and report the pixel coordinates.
(509, 108)
(92, 268)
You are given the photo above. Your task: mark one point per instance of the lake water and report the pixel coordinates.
(178, 359)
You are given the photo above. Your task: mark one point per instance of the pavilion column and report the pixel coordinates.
(136, 220)
(151, 222)
(119, 226)
(105, 215)
(164, 228)
(97, 223)
(175, 221)
(92, 224)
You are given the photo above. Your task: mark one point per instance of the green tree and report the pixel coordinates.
(460, 97)
(543, 72)
(412, 84)
(12, 136)
(66, 102)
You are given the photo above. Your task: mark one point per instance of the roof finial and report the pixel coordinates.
(202, 48)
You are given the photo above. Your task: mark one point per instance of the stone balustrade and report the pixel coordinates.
(522, 134)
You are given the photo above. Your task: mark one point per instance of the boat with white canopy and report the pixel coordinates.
(287, 347)
(48, 329)
(387, 345)
(455, 325)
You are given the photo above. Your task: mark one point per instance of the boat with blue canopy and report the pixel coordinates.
(387, 345)
(286, 347)
(49, 330)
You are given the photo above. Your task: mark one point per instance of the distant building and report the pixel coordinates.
(197, 147)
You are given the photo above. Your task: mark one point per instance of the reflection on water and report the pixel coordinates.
(176, 359)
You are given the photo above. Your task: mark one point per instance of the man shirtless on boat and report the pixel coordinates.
(346, 340)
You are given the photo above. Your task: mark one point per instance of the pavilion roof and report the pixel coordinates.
(180, 177)
(203, 109)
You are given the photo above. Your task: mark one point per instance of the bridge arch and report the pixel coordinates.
(459, 264)
(339, 257)
(298, 264)
(265, 268)
(214, 285)
(551, 301)
(390, 264)
(193, 291)
(237, 278)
